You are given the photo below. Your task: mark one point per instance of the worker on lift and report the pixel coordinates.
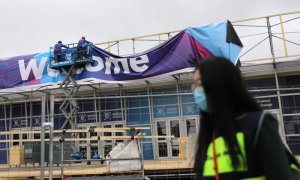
(57, 50)
(82, 47)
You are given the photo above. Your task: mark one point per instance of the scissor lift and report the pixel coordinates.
(70, 60)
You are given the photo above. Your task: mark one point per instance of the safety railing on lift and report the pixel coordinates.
(70, 55)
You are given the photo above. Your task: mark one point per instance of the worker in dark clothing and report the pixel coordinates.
(82, 47)
(57, 50)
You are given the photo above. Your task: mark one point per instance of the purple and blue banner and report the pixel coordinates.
(178, 54)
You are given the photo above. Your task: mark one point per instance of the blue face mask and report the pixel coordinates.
(200, 99)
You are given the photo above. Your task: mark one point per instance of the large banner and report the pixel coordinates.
(178, 54)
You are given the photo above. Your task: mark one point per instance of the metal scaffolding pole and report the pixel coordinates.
(62, 156)
(51, 136)
(152, 121)
(275, 68)
(6, 136)
(43, 138)
(10, 122)
(133, 46)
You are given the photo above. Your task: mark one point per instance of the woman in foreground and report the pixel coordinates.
(237, 140)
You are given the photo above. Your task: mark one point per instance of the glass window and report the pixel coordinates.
(119, 133)
(165, 100)
(59, 120)
(37, 136)
(138, 116)
(289, 81)
(294, 145)
(175, 128)
(175, 148)
(190, 126)
(86, 105)
(93, 134)
(186, 89)
(2, 112)
(16, 137)
(162, 149)
(161, 129)
(36, 108)
(82, 135)
(290, 104)
(137, 102)
(262, 83)
(107, 133)
(56, 107)
(108, 104)
(292, 124)
(107, 149)
(18, 110)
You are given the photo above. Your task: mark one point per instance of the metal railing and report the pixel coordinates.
(255, 34)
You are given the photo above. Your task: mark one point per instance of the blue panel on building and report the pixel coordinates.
(36, 121)
(148, 151)
(190, 109)
(165, 111)
(138, 116)
(165, 100)
(188, 99)
(147, 133)
(186, 89)
(19, 122)
(89, 117)
(137, 102)
(113, 115)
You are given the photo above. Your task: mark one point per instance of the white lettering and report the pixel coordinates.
(138, 61)
(96, 68)
(52, 72)
(37, 71)
(116, 64)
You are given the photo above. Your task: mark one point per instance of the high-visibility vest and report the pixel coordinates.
(249, 168)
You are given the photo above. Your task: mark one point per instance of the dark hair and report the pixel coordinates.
(59, 42)
(227, 98)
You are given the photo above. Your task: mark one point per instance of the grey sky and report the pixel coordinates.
(31, 26)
